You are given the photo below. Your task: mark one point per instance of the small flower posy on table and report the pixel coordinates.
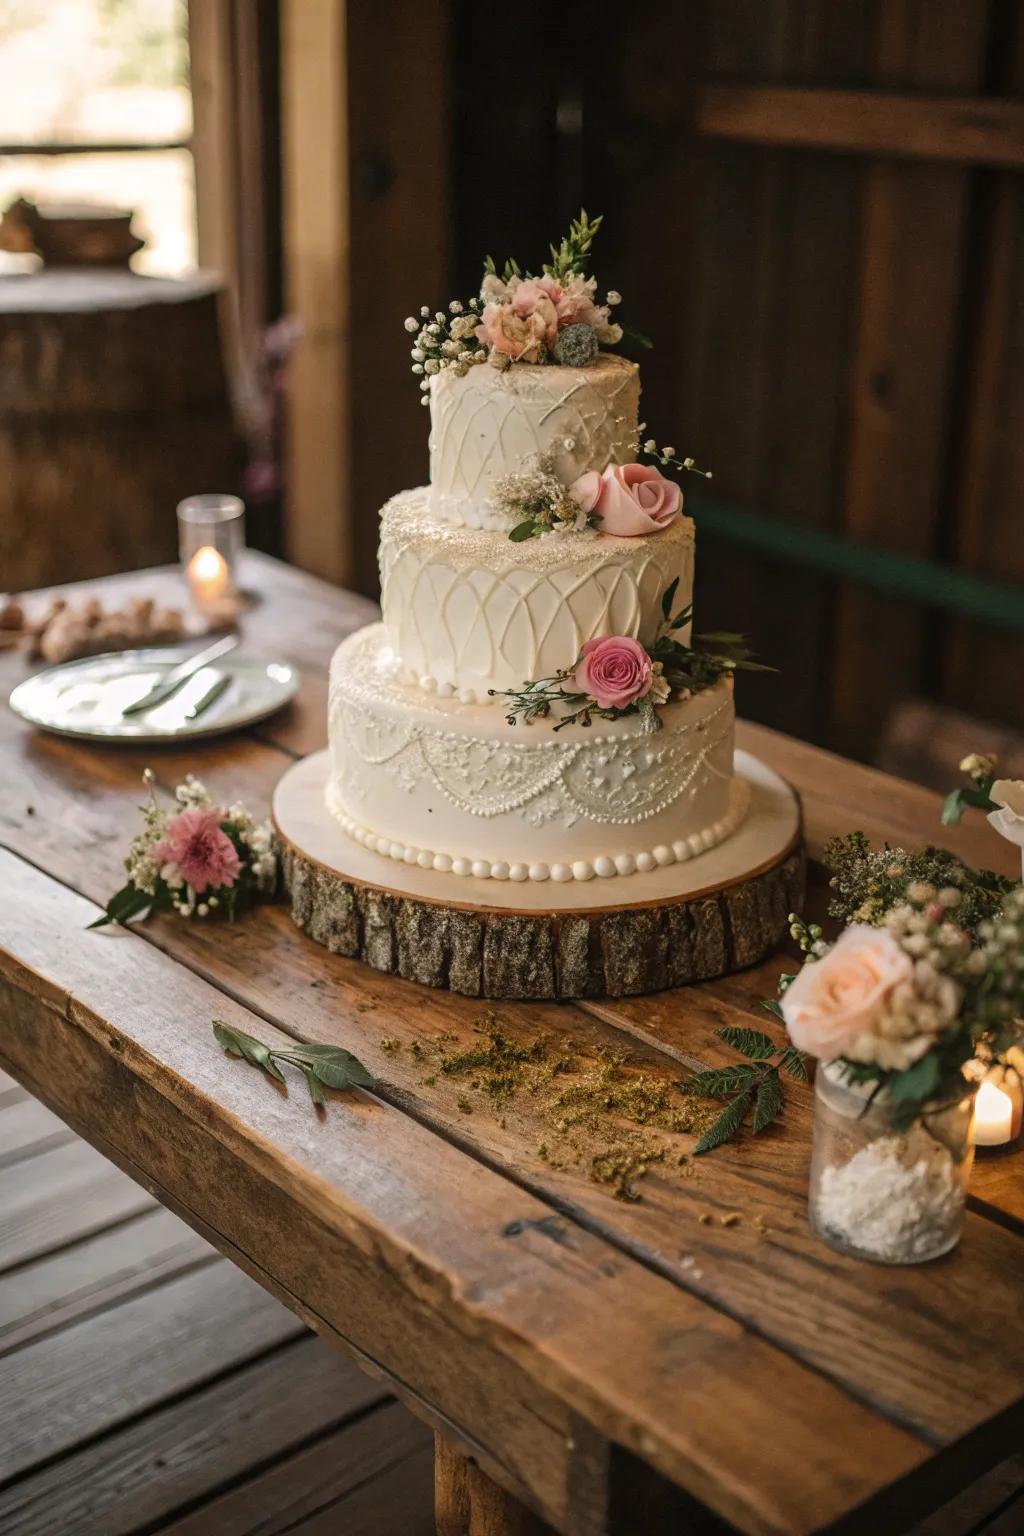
(618, 675)
(200, 859)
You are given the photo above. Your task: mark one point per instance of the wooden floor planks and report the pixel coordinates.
(148, 1386)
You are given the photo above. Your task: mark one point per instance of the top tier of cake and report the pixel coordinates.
(488, 422)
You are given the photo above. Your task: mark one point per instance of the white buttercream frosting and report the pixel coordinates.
(467, 610)
(489, 422)
(453, 786)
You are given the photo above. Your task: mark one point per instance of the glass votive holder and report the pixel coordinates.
(211, 538)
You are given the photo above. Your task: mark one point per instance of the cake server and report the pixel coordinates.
(181, 674)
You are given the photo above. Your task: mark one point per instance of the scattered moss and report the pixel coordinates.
(621, 1166)
(585, 1100)
(390, 1045)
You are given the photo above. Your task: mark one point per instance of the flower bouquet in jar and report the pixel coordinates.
(894, 1011)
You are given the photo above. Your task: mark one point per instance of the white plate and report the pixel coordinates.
(85, 698)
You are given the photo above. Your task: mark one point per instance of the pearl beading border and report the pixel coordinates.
(605, 866)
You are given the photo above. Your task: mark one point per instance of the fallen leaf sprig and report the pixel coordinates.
(323, 1066)
(754, 1085)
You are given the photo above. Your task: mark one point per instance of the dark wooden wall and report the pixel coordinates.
(834, 281)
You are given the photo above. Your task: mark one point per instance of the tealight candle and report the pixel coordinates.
(211, 536)
(993, 1116)
(208, 576)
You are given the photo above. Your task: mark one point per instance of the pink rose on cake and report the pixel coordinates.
(630, 499)
(615, 671)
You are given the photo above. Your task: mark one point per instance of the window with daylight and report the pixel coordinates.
(95, 107)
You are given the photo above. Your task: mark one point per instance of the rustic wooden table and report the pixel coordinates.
(600, 1364)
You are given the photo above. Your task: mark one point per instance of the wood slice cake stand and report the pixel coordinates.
(616, 937)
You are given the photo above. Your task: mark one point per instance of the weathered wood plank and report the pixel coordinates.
(86, 1379)
(355, 1005)
(363, 1479)
(26, 1129)
(60, 1197)
(467, 1503)
(976, 130)
(154, 1466)
(340, 1210)
(91, 1274)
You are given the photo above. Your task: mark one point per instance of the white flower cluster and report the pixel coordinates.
(666, 457)
(535, 495)
(445, 341)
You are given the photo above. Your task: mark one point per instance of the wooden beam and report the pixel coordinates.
(314, 114)
(973, 130)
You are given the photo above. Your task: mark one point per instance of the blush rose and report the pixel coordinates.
(838, 999)
(630, 499)
(520, 337)
(615, 671)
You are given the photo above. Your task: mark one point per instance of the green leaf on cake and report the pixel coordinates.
(527, 530)
(668, 598)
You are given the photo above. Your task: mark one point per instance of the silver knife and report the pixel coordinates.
(181, 674)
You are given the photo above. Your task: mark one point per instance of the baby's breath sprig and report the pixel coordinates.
(445, 341)
(648, 452)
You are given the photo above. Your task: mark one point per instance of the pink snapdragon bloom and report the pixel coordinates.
(631, 499)
(199, 851)
(615, 671)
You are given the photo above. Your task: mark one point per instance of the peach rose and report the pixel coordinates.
(615, 671)
(631, 499)
(537, 297)
(517, 336)
(839, 998)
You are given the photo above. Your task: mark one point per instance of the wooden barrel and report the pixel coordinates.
(113, 406)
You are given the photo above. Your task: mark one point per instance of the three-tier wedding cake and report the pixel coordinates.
(533, 714)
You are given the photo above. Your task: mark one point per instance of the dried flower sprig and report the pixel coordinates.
(866, 883)
(200, 859)
(637, 677)
(539, 501)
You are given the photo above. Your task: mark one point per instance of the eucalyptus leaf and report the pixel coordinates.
(125, 904)
(522, 531)
(321, 1065)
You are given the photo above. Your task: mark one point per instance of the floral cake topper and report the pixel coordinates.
(553, 316)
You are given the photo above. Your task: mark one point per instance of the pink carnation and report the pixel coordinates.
(615, 671)
(202, 853)
(631, 499)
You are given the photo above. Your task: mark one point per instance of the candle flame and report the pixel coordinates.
(208, 564)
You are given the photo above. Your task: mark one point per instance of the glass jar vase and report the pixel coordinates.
(894, 1196)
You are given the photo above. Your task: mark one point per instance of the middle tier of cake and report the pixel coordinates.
(453, 787)
(467, 610)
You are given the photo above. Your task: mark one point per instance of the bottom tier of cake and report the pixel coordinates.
(454, 788)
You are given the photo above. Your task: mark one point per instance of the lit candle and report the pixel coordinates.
(209, 577)
(993, 1116)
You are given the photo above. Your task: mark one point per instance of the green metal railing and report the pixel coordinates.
(926, 583)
